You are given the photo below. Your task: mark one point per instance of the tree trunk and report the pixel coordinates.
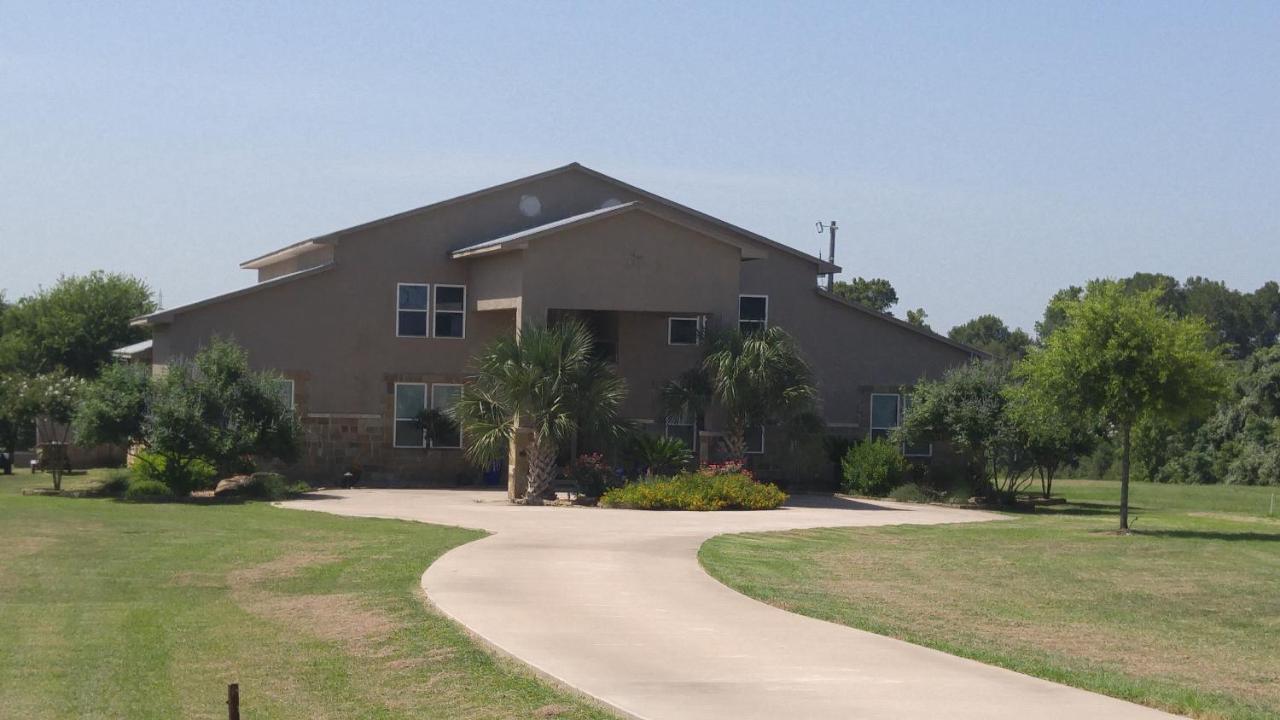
(542, 465)
(1048, 482)
(735, 443)
(1124, 479)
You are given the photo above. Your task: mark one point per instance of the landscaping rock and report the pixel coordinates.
(232, 485)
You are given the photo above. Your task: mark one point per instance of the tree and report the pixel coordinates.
(758, 379)
(113, 408)
(49, 400)
(876, 293)
(1051, 437)
(968, 408)
(989, 334)
(1055, 313)
(545, 379)
(688, 397)
(75, 324)
(1119, 359)
(917, 317)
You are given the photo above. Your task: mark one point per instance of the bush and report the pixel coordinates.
(180, 479)
(591, 475)
(269, 486)
(909, 492)
(873, 468)
(115, 484)
(690, 491)
(145, 490)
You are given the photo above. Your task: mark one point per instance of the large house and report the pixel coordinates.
(376, 322)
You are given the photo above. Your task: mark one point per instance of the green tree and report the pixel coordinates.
(48, 401)
(688, 397)
(1051, 437)
(1121, 358)
(1055, 313)
(758, 379)
(545, 379)
(917, 317)
(75, 324)
(113, 408)
(876, 293)
(989, 334)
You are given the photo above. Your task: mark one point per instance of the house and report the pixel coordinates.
(376, 322)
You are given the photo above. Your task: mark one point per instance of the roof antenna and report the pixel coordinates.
(831, 253)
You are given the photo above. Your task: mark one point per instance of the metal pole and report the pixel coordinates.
(831, 257)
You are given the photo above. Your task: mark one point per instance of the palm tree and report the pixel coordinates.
(688, 397)
(544, 379)
(759, 378)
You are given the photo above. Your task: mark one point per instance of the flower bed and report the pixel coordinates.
(688, 491)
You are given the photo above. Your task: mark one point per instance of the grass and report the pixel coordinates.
(117, 610)
(1183, 615)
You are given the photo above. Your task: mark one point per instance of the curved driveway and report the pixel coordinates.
(614, 603)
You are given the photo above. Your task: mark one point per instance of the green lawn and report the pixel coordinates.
(115, 610)
(1183, 615)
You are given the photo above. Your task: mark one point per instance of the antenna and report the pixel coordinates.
(831, 253)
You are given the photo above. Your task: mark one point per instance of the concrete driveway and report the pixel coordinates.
(614, 603)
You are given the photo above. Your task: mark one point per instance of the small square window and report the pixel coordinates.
(412, 302)
(682, 331)
(753, 313)
(451, 311)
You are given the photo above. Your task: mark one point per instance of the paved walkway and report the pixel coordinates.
(615, 604)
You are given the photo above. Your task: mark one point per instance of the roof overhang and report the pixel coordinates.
(291, 251)
(520, 240)
(134, 351)
(164, 317)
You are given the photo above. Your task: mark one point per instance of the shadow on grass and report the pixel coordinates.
(1211, 535)
(1087, 508)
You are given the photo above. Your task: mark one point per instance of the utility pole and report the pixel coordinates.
(831, 253)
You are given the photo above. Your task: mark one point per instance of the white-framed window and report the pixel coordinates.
(753, 313)
(410, 401)
(887, 410)
(413, 301)
(886, 415)
(682, 330)
(684, 430)
(284, 387)
(755, 440)
(443, 397)
(451, 311)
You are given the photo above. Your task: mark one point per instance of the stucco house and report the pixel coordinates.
(373, 323)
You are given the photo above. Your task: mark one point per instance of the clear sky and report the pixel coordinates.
(979, 156)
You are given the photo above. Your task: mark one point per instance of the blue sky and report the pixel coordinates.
(979, 156)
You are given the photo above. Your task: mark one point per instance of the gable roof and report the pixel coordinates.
(822, 266)
(822, 292)
(520, 240)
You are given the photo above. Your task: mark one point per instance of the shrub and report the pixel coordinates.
(690, 491)
(909, 492)
(144, 490)
(115, 484)
(269, 486)
(591, 475)
(660, 455)
(728, 467)
(873, 468)
(180, 478)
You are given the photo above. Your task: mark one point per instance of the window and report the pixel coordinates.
(887, 411)
(885, 416)
(753, 313)
(682, 331)
(755, 440)
(684, 430)
(285, 388)
(411, 309)
(925, 450)
(443, 398)
(451, 311)
(411, 399)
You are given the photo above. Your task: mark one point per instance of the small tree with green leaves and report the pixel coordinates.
(545, 379)
(759, 378)
(49, 399)
(1119, 358)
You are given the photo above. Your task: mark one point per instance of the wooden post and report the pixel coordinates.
(233, 701)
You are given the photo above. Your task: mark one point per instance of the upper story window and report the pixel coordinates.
(682, 331)
(412, 302)
(451, 311)
(753, 313)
